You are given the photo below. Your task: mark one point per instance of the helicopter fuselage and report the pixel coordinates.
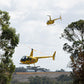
(50, 22)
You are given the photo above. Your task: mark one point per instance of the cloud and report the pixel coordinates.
(65, 5)
(5, 3)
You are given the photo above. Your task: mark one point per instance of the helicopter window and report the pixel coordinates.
(28, 58)
(23, 58)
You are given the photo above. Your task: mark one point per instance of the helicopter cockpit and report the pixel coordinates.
(23, 58)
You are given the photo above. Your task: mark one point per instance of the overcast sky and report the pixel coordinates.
(29, 18)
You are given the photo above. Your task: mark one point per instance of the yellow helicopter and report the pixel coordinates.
(51, 21)
(32, 60)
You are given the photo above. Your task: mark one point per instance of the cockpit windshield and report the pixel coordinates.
(23, 58)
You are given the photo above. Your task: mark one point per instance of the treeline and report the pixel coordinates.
(63, 79)
(22, 69)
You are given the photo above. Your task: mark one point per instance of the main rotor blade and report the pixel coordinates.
(35, 50)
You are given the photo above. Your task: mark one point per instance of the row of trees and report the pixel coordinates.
(22, 69)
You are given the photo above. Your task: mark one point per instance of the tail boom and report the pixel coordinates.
(53, 56)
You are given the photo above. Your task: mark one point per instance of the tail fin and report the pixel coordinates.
(60, 17)
(54, 55)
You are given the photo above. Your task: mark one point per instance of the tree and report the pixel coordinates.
(61, 70)
(74, 33)
(20, 69)
(8, 41)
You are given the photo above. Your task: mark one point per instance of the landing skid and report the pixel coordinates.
(29, 65)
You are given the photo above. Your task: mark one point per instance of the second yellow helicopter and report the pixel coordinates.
(51, 21)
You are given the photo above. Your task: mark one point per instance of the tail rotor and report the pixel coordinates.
(60, 18)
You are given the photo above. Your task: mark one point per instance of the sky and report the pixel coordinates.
(29, 18)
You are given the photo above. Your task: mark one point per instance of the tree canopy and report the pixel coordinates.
(74, 33)
(8, 41)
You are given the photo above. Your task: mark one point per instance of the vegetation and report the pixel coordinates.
(20, 69)
(63, 79)
(61, 70)
(74, 33)
(8, 41)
